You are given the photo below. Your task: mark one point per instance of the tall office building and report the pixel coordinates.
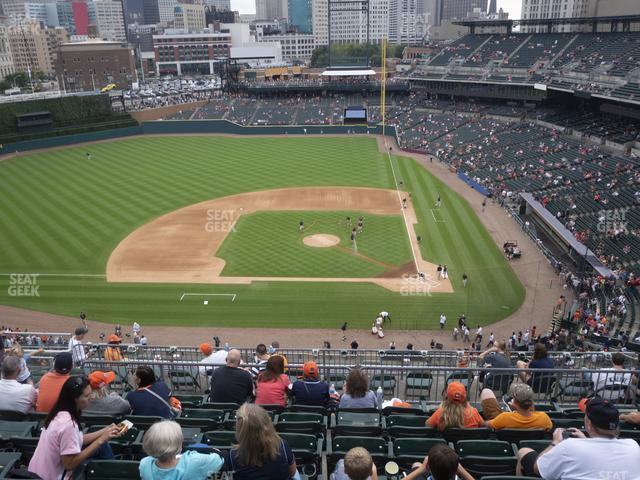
(109, 20)
(219, 4)
(133, 12)
(493, 7)
(351, 26)
(189, 17)
(270, 9)
(166, 9)
(300, 14)
(6, 59)
(151, 12)
(320, 22)
(28, 42)
(459, 9)
(406, 24)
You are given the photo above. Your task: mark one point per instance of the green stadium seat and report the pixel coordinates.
(484, 448)
(567, 423)
(142, 422)
(306, 448)
(457, 434)
(192, 400)
(479, 466)
(203, 424)
(90, 420)
(402, 411)
(418, 384)
(537, 445)
(516, 435)
(7, 462)
(299, 422)
(113, 469)
(25, 445)
(398, 431)
(10, 429)
(296, 407)
(353, 423)
(12, 416)
(406, 451)
(406, 420)
(216, 415)
(227, 407)
(220, 439)
(378, 447)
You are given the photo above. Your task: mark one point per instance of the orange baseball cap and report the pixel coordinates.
(99, 379)
(456, 392)
(113, 338)
(206, 349)
(310, 369)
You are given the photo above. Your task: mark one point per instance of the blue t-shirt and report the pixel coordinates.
(542, 363)
(275, 470)
(145, 403)
(368, 401)
(191, 465)
(310, 392)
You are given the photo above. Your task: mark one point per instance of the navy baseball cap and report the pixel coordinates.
(602, 413)
(63, 362)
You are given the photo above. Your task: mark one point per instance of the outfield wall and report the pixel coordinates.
(185, 127)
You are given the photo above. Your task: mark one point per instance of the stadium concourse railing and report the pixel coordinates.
(413, 383)
(169, 127)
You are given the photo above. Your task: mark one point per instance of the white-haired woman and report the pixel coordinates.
(163, 443)
(260, 452)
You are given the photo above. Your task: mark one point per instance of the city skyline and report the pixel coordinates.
(512, 7)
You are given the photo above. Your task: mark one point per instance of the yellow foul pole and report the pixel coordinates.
(383, 83)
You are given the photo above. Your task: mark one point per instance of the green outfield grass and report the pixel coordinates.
(269, 244)
(63, 215)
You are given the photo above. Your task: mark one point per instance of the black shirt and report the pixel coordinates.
(231, 384)
(277, 469)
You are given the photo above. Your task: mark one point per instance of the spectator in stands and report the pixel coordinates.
(15, 396)
(601, 455)
(103, 402)
(163, 443)
(356, 391)
(614, 385)
(152, 397)
(60, 448)
(523, 414)
(310, 390)
(540, 381)
(260, 358)
(275, 346)
(495, 357)
(273, 384)
(260, 453)
(51, 382)
(455, 411)
(231, 384)
(442, 463)
(113, 353)
(25, 374)
(76, 346)
(212, 359)
(356, 465)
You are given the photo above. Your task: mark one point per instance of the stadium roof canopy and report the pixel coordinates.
(348, 73)
(625, 20)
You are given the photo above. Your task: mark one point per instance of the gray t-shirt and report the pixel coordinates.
(369, 400)
(112, 404)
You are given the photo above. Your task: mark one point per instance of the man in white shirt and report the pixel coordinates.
(212, 360)
(443, 320)
(601, 455)
(613, 385)
(15, 396)
(76, 347)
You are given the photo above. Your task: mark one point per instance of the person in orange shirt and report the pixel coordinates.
(523, 414)
(455, 411)
(113, 353)
(51, 382)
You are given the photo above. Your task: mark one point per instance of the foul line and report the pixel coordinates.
(404, 216)
(55, 274)
(435, 219)
(232, 295)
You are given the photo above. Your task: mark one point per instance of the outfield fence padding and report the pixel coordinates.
(186, 127)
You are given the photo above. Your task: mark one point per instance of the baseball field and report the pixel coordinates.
(259, 231)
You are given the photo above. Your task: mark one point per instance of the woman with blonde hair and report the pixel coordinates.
(25, 374)
(455, 411)
(260, 453)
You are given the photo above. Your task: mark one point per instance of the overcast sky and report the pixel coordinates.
(511, 6)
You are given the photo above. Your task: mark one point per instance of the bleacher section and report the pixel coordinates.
(320, 436)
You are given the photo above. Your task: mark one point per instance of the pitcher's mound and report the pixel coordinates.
(321, 240)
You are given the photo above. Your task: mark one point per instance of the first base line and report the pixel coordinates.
(232, 295)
